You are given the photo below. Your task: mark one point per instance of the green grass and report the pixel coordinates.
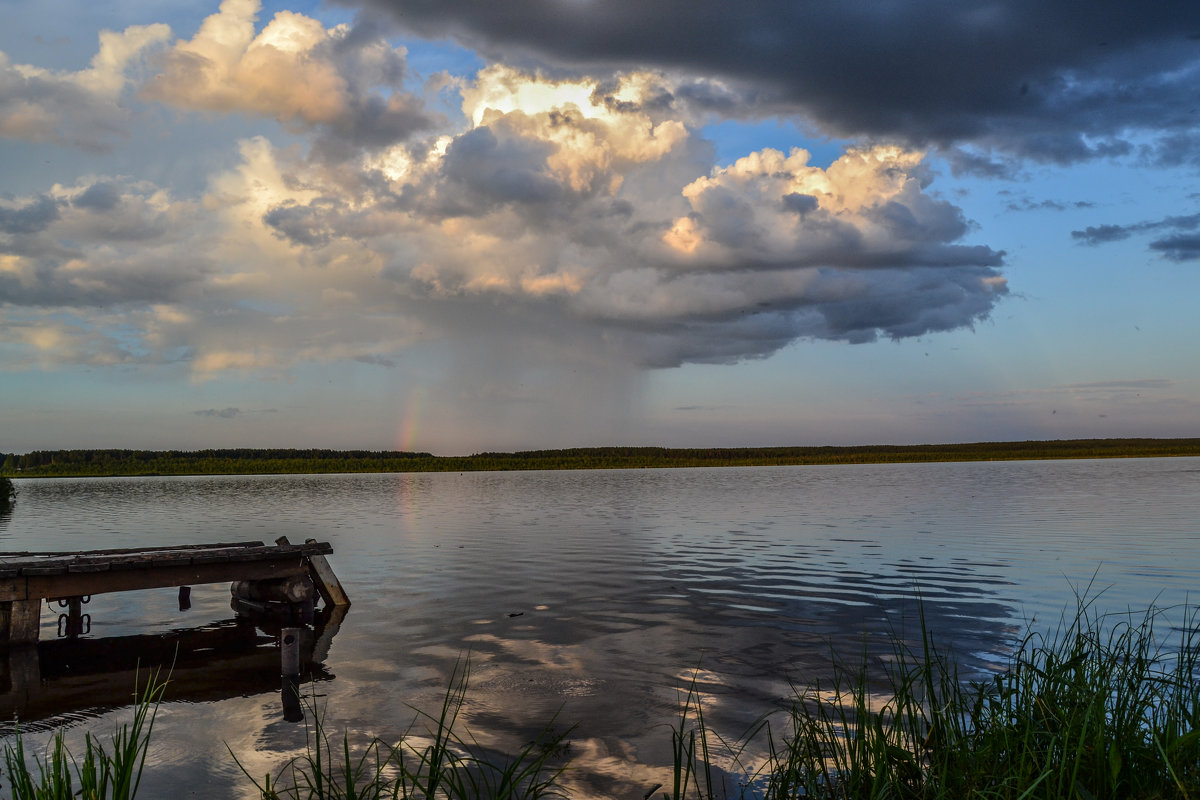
(1100, 707)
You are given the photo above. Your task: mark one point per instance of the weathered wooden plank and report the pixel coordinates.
(131, 563)
(92, 583)
(125, 550)
(212, 558)
(101, 572)
(52, 568)
(89, 565)
(10, 557)
(52, 563)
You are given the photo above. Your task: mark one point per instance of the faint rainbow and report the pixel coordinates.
(410, 421)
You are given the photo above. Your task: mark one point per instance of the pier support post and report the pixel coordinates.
(326, 582)
(20, 621)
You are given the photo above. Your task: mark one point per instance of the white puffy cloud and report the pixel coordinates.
(868, 208)
(279, 72)
(294, 70)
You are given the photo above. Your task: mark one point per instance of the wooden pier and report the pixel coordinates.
(29, 579)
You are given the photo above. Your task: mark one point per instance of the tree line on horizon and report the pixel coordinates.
(242, 461)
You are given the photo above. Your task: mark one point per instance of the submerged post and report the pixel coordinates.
(289, 655)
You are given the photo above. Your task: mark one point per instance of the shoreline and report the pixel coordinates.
(262, 461)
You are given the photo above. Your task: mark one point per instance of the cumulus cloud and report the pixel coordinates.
(570, 200)
(575, 218)
(295, 70)
(1032, 77)
(84, 108)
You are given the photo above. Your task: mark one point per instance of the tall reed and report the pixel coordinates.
(1102, 707)
(113, 773)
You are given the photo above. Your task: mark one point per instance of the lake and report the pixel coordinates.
(599, 595)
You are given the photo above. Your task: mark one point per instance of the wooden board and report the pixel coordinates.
(26, 576)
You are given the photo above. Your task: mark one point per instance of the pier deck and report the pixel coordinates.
(28, 579)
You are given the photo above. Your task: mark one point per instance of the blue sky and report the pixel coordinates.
(465, 226)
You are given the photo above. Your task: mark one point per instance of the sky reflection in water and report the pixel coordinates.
(597, 595)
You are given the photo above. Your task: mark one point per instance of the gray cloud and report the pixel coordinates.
(1101, 234)
(1026, 204)
(1149, 383)
(100, 196)
(483, 169)
(221, 413)
(144, 280)
(800, 203)
(32, 217)
(106, 243)
(1033, 77)
(1181, 245)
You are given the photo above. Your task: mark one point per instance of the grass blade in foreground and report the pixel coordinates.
(104, 775)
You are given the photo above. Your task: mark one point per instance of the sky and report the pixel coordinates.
(460, 226)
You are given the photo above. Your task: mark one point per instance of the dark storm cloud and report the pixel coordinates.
(1050, 79)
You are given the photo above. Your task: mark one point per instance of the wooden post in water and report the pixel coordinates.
(289, 651)
(289, 654)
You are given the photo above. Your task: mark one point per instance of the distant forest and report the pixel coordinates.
(250, 461)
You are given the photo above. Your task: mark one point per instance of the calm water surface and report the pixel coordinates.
(597, 594)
